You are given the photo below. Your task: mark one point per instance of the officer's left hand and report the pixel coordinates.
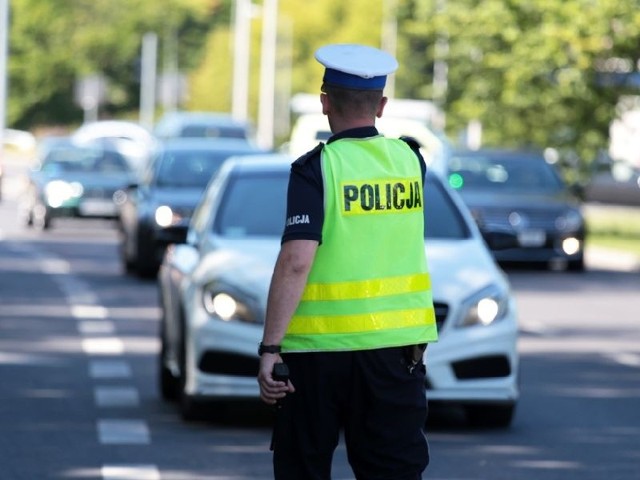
(270, 390)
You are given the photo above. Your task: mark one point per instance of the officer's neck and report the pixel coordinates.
(340, 124)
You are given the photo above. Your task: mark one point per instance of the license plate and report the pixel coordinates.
(532, 238)
(97, 208)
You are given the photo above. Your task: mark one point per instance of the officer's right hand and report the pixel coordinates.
(271, 390)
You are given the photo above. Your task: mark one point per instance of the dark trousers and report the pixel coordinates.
(372, 396)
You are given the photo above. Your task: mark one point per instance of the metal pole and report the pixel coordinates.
(241, 42)
(4, 73)
(268, 73)
(390, 39)
(148, 79)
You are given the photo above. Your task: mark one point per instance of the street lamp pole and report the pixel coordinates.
(241, 42)
(4, 73)
(268, 73)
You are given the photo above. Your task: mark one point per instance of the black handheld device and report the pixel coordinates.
(280, 372)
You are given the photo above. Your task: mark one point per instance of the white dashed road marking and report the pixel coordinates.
(103, 369)
(130, 472)
(123, 432)
(88, 311)
(96, 327)
(103, 346)
(98, 339)
(116, 396)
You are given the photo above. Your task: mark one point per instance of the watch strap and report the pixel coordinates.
(262, 348)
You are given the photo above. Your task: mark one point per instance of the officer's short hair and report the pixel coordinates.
(347, 101)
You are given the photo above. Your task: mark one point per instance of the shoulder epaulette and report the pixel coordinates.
(310, 154)
(412, 142)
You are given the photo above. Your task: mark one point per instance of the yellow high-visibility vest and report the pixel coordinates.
(369, 285)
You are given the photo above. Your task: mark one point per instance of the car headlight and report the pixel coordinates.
(487, 306)
(57, 192)
(570, 221)
(226, 304)
(165, 216)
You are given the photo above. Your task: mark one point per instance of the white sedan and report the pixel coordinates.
(214, 288)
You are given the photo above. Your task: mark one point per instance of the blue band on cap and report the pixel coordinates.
(347, 80)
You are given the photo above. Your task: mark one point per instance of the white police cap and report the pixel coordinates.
(355, 66)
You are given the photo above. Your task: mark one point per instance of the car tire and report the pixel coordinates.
(128, 264)
(491, 416)
(41, 217)
(168, 382)
(145, 263)
(190, 407)
(576, 265)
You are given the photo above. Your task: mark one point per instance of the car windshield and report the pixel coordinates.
(188, 169)
(245, 213)
(503, 174)
(85, 160)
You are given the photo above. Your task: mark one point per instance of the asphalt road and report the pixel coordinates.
(78, 397)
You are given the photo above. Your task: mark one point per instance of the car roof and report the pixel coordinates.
(498, 153)
(272, 162)
(214, 118)
(216, 143)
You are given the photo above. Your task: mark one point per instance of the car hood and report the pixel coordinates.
(459, 268)
(516, 201)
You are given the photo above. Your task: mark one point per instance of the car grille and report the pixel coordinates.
(99, 193)
(492, 366)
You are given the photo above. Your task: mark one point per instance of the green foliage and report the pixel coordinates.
(54, 44)
(526, 70)
(529, 71)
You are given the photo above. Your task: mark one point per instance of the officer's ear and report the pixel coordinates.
(326, 103)
(381, 105)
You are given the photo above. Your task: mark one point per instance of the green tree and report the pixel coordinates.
(530, 71)
(53, 44)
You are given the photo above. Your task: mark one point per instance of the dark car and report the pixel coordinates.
(615, 183)
(75, 180)
(520, 192)
(202, 125)
(157, 210)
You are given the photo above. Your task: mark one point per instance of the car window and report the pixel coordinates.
(483, 172)
(188, 168)
(84, 160)
(443, 219)
(255, 205)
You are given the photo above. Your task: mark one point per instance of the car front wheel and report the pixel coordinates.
(190, 407)
(169, 384)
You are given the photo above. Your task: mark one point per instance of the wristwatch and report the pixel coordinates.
(262, 348)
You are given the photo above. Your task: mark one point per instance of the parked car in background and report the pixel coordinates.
(615, 183)
(202, 125)
(213, 294)
(521, 192)
(73, 180)
(157, 210)
(313, 128)
(130, 137)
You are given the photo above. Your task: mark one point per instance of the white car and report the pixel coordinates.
(214, 290)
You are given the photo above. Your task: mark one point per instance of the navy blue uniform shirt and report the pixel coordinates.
(305, 196)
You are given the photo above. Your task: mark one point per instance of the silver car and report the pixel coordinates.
(214, 292)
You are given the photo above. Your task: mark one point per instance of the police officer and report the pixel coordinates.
(349, 308)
